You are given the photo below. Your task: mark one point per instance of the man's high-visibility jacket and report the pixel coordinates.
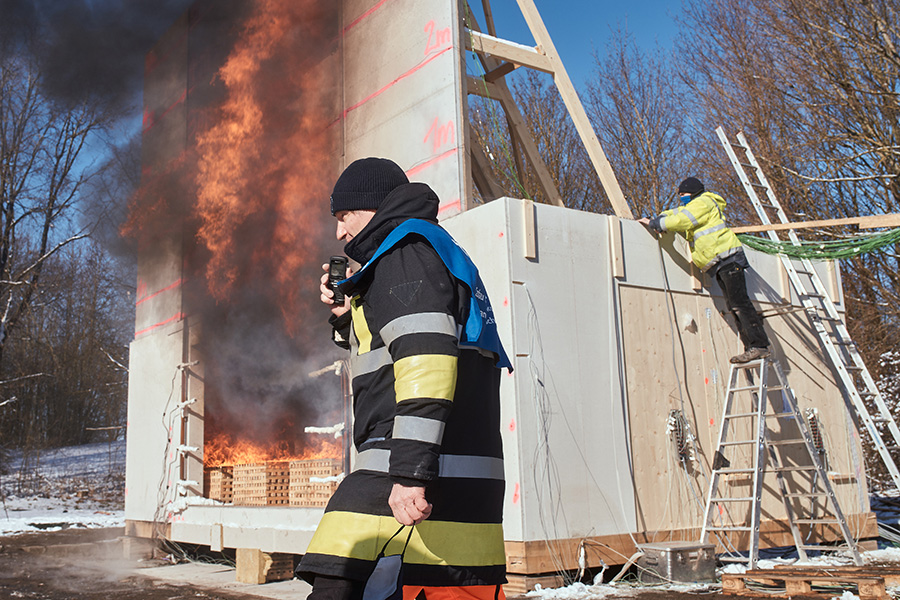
(426, 406)
(703, 224)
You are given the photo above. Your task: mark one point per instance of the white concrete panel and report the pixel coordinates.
(270, 529)
(154, 391)
(403, 92)
(564, 431)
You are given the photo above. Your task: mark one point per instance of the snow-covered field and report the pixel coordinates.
(79, 486)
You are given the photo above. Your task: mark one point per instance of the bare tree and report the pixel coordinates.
(554, 134)
(634, 100)
(815, 85)
(43, 166)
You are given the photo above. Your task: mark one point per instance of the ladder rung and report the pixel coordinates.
(786, 442)
(728, 471)
(814, 521)
(793, 469)
(812, 295)
(825, 548)
(739, 415)
(744, 528)
(738, 443)
(780, 415)
(733, 559)
(747, 499)
(745, 388)
(831, 319)
(761, 186)
(748, 166)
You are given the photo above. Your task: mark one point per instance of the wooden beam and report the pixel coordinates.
(518, 128)
(501, 71)
(482, 175)
(489, 17)
(576, 110)
(867, 222)
(519, 54)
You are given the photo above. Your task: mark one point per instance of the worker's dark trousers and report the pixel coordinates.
(734, 285)
(335, 588)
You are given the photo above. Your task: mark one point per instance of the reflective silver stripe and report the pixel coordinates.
(682, 209)
(451, 465)
(369, 362)
(473, 467)
(419, 429)
(376, 459)
(432, 322)
(713, 229)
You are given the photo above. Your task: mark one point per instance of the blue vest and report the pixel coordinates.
(481, 328)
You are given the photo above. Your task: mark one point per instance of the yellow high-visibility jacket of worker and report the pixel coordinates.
(702, 223)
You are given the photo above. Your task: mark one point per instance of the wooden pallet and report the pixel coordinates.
(869, 583)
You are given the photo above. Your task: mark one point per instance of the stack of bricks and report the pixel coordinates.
(219, 483)
(262, 484)
(313, 482)
(309, 483)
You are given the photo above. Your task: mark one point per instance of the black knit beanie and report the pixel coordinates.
(692, 186)
(365, 183)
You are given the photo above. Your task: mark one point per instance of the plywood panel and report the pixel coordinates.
(676, 348)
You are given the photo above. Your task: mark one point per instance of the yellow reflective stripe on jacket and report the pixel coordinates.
(703, 225)
(425, 376)
(360, 327)
(361, 536)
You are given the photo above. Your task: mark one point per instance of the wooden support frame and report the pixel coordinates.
(497, 90)
(867, 222)
(545, 58)
(482, 175)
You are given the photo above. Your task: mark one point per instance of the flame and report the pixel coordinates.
(264, 163)
(249, 194)
(224, 450)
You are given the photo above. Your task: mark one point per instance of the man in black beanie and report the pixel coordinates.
(716, 250)
(425, 363)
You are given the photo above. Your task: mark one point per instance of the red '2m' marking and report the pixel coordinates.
(437, 40)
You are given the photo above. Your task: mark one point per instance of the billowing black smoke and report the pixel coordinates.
(88, 48)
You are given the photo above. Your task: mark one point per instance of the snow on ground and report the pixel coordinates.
(79, 486)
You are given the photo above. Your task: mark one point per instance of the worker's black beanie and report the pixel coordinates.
(692, 186)
(365, 183)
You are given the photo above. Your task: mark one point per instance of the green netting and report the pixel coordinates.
(844, 248)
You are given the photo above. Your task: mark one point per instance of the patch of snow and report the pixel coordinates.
(576, 591)
(78, 486)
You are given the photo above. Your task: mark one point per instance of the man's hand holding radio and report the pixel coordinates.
(327, 293)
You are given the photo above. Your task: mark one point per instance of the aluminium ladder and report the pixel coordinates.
(748, 416)
(855, 378)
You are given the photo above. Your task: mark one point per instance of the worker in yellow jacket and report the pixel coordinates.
(716, 250)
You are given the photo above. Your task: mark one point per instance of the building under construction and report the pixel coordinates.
(612, 417)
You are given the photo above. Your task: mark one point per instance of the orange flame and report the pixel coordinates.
(224, 449)
(266, 159)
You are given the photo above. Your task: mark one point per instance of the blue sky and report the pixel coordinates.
(578, 27)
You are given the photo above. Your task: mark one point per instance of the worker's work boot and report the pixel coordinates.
(750, 354)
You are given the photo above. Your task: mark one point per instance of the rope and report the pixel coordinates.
(836, 249)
